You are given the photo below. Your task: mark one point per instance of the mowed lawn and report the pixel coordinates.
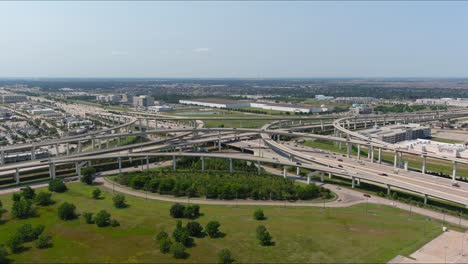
(301, 234)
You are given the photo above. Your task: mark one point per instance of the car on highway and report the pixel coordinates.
(340, 166)
(298, 163)
(383, 174)
(455, 184)
(367, 195)
(340, 160)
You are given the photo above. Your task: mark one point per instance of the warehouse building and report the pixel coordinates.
(216, 103)
(294, 108)
(397, 133)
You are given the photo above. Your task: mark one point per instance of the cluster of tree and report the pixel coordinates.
(183, 237)
(215, 164)
(403, 108)
(180, 211)
(23, 203)
(28, 233)
(101, 219)
(57, 185)
(222, 185)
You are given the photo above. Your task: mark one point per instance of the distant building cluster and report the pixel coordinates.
(460, 102)
(11, 98)
(397, 133)
(232, 104)
(323, 97)
(359, 99)
(445, 149)
(141, 101)
(359, 109)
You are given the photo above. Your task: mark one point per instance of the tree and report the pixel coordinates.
(258, 214)
(88, 217)
(224, 257)
(22, 208)
(192, 211)
(194, 229)
(264, 236)
(119, 201)
(3, 254)
(15, 243)
(165, 245)
(181, 235)
(87, 175)
(161, 235)
(66, 211)
(43, 198)
(44, 241)
(57, 185)
(102, 218)
(212, 228)
(96, 193)
(178, 251)
(28, 193)
(177, 210)
(16, 197)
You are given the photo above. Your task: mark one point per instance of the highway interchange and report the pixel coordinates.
(176, 137)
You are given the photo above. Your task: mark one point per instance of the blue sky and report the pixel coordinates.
(234, 39)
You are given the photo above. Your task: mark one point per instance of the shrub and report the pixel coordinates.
(16, 197)
(88, 217)
(194, 229)
(177, 210)
(57, 185)
(264, 236)
(119, 201)
(181, 235)
(96, 193)
(192, 211)
(15, 243)
(3, 254)
(87, 175)
(258, 215)
(114, 223)
(178, 251)
(25, 233)
(212, 228)
(43, 198)
(37, 231)
(44, 241)
(165, 245)
(161, 235)
(28, 193)
(102, 218)
(224, 257)
(22, 208)
(66, 211)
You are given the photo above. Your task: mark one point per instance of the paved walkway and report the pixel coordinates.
(449, 247)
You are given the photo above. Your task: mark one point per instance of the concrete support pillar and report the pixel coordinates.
(425, 198)
(389, 189)
(380, 156)
(348, 150)
(79, 146)
(329, 175)
(284, 172)
(308, 179)
(120, 165)
(68, 149)
(395, 159)
(358, 182)
(259, 167)
(321, 124)
(231, 168)
(372, 154)
(174, 163)
(368, 152)
(298, 171)
(423, 169)
(147, 160)
(33, 153)
(17, 178)
(352, 182)
(52, 170)
(454, 171)
(321, 177)
(57, 149)
(406, 166)
(202, 164)
(358, 152)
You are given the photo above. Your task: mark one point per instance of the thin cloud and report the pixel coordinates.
(201, 50)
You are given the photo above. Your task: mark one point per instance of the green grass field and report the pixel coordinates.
(301, 234)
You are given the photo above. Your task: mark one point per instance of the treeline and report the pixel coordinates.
(403, 108)
(222, 185)
(215, 164)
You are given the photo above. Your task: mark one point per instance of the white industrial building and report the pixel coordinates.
(294, 108)
(45, 112)
(323, 97)
(397, 133)
(160, 108)
(216, 103)
(445, 149)
(359, 109)
(460, 102)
